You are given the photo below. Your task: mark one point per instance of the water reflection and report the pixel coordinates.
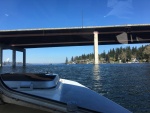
(96, 72)
(10, 69)
(96, 84)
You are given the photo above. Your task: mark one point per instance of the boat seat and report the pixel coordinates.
(30, 80)
(26, 77)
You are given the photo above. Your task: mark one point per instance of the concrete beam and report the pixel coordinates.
(14, 58)
(96, 59)
(11, 47)
(1, 57)
(24, 57)
(14, 49)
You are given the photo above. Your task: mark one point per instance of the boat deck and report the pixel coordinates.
(30, 81)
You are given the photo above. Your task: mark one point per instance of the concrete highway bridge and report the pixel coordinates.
(20, 40)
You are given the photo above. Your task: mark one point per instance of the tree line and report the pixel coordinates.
(128, 54)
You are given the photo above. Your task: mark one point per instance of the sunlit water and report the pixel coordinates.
(126, 84)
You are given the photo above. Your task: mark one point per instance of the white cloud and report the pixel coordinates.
(120, 8)
(6, 15)
(111, 3)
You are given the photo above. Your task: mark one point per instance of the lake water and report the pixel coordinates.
(126, 84)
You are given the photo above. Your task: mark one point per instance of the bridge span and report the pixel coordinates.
(19, 40)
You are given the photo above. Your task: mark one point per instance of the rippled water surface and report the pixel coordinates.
(126, 84)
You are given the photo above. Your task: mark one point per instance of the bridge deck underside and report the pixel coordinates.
(73, 36)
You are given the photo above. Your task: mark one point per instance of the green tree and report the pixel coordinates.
(123, 56)
(66, 60)
(117, 54)
(128, 53)
(103, 55)
(134, 52)
(146, 53)
(113, 53)
(72, 59)
(140, 55)
(107, 58)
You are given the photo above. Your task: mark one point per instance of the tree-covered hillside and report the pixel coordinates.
(118, 55)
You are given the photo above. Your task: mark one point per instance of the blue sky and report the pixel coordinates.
(27, 14)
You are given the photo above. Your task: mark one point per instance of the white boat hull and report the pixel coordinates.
(72, 93)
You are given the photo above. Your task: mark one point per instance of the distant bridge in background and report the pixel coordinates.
(19, 40)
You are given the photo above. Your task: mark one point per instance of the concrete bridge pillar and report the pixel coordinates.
(1, 57)
(24, 57)
(96, 59)
(14, 58)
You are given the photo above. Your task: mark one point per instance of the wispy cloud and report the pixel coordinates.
(6, 14)
(120, 8)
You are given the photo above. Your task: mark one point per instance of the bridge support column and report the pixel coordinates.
(96, 59)
(24, 57)
(14, 58)
(1, 57)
